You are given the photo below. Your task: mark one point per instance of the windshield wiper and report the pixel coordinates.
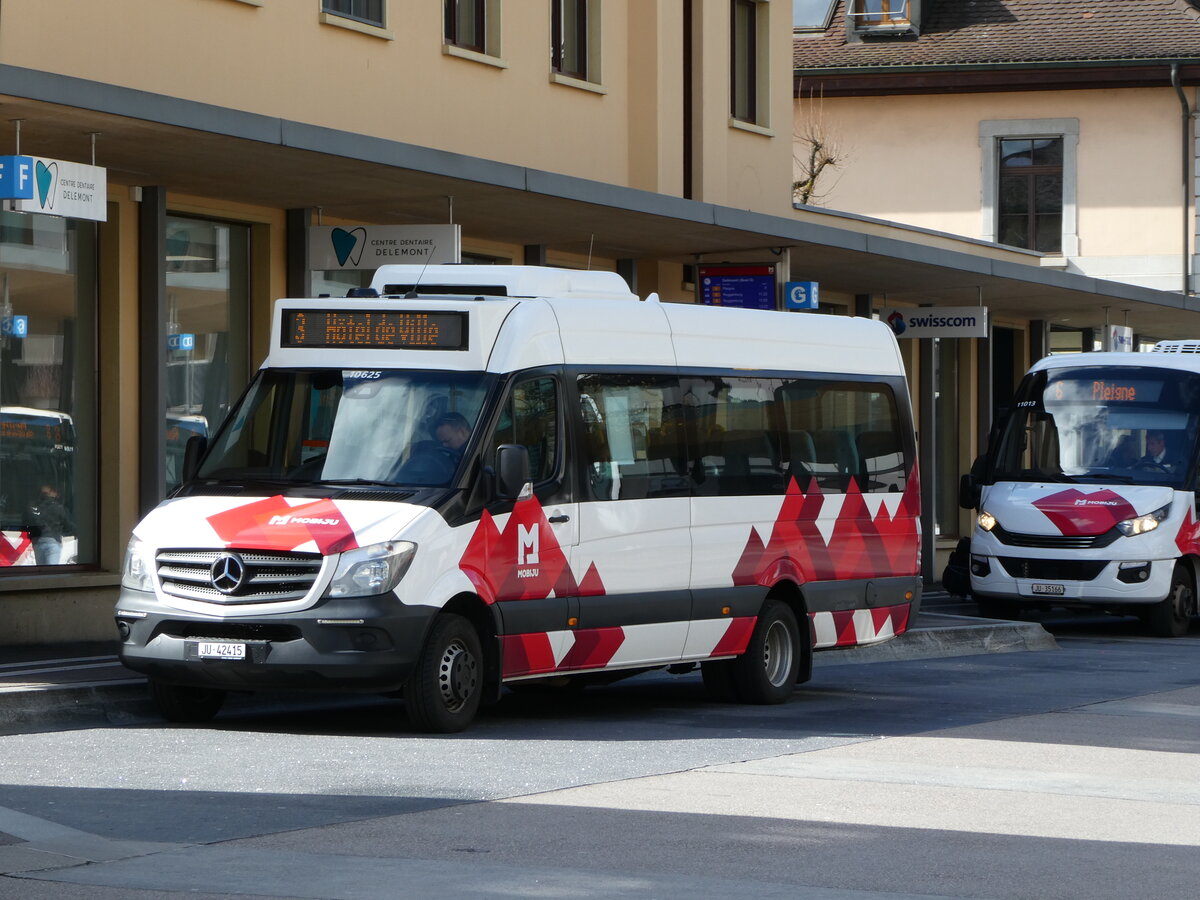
(366, 482)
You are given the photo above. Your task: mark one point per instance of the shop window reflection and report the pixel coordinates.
(207, 267)
(47, 394)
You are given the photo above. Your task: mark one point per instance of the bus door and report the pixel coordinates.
(634, 554)
(525, 557)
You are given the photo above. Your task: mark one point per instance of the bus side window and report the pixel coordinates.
(530, 418)
(633, 437)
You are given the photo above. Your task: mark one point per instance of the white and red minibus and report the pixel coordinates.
(483, 476)
(1087, 495)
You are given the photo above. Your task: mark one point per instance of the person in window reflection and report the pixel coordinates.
(452, 432)
(48, 522)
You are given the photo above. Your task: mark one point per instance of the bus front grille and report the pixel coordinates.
(1053, 569)
(231, 577)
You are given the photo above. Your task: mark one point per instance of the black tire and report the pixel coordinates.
(767, 671)
(443, 694)
(194, 705)
(718, 680)
(1172, 616)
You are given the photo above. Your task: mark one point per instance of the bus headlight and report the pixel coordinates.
(986, 521)
(375, 569)
(138, 571)
(1142, 524)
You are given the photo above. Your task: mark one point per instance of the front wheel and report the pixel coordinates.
(193, 705)
(767, 671)
(1172, 616)
(443, 694)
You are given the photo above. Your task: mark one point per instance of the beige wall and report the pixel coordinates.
(917, 159)
(279, 59)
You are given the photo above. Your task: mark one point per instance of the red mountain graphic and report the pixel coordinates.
(860, 546)
(1077, 514)
(272, 524)
(523, 562)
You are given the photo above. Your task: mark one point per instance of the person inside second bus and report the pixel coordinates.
(1157, 453)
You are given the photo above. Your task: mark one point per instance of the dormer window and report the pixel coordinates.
(882, 16)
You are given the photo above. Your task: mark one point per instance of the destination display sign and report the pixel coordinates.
(1104, 390)
(375, 329)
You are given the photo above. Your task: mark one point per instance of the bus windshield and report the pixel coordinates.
(1125, 424)
(323, 426)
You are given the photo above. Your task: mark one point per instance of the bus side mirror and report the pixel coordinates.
(968, 492)
(193, 450)
(512, 470)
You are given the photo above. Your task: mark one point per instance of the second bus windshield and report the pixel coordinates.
(1114, 423)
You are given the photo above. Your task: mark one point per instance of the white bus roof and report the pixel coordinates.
(517, 281)
(1186, 362)
(590, 318)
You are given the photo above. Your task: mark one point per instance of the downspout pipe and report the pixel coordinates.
(1187, 168)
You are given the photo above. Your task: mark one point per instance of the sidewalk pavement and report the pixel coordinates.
(80, 684)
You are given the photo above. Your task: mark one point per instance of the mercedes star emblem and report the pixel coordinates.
(227, 573)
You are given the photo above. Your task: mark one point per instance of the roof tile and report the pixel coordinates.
(965, 32)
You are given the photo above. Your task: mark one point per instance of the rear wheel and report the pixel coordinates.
(1172, 617)
(177, 703)
(446, 686)
(767, 671)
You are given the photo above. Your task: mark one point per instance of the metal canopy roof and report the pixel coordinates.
(198, 149)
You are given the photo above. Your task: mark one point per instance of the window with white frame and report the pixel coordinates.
(880, 12)
(368, 12)
(1028, 178)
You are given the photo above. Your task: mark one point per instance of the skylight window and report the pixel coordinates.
(811, 15)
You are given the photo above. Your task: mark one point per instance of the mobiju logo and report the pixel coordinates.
(302, 520)
(896, 320)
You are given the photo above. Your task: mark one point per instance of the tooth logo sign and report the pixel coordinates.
(896, 320)
(348, 245)
(47, 180)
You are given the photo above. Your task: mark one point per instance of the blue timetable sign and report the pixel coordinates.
(748, 287)
(16, 177)
(181, 342)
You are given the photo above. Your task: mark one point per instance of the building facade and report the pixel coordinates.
(1062, 129)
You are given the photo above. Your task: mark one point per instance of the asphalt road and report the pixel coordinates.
(1061, 773)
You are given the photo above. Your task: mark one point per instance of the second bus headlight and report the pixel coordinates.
(986, 521)
(370, 570)
(1142, 524)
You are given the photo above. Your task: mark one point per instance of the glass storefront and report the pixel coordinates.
(48, 396)
(208, 277)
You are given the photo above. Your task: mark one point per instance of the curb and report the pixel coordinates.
(941, 635)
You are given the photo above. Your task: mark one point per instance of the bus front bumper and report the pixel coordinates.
(1119, 583)
(361, 644)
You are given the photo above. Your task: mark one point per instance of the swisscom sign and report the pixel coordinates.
(937, 321)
